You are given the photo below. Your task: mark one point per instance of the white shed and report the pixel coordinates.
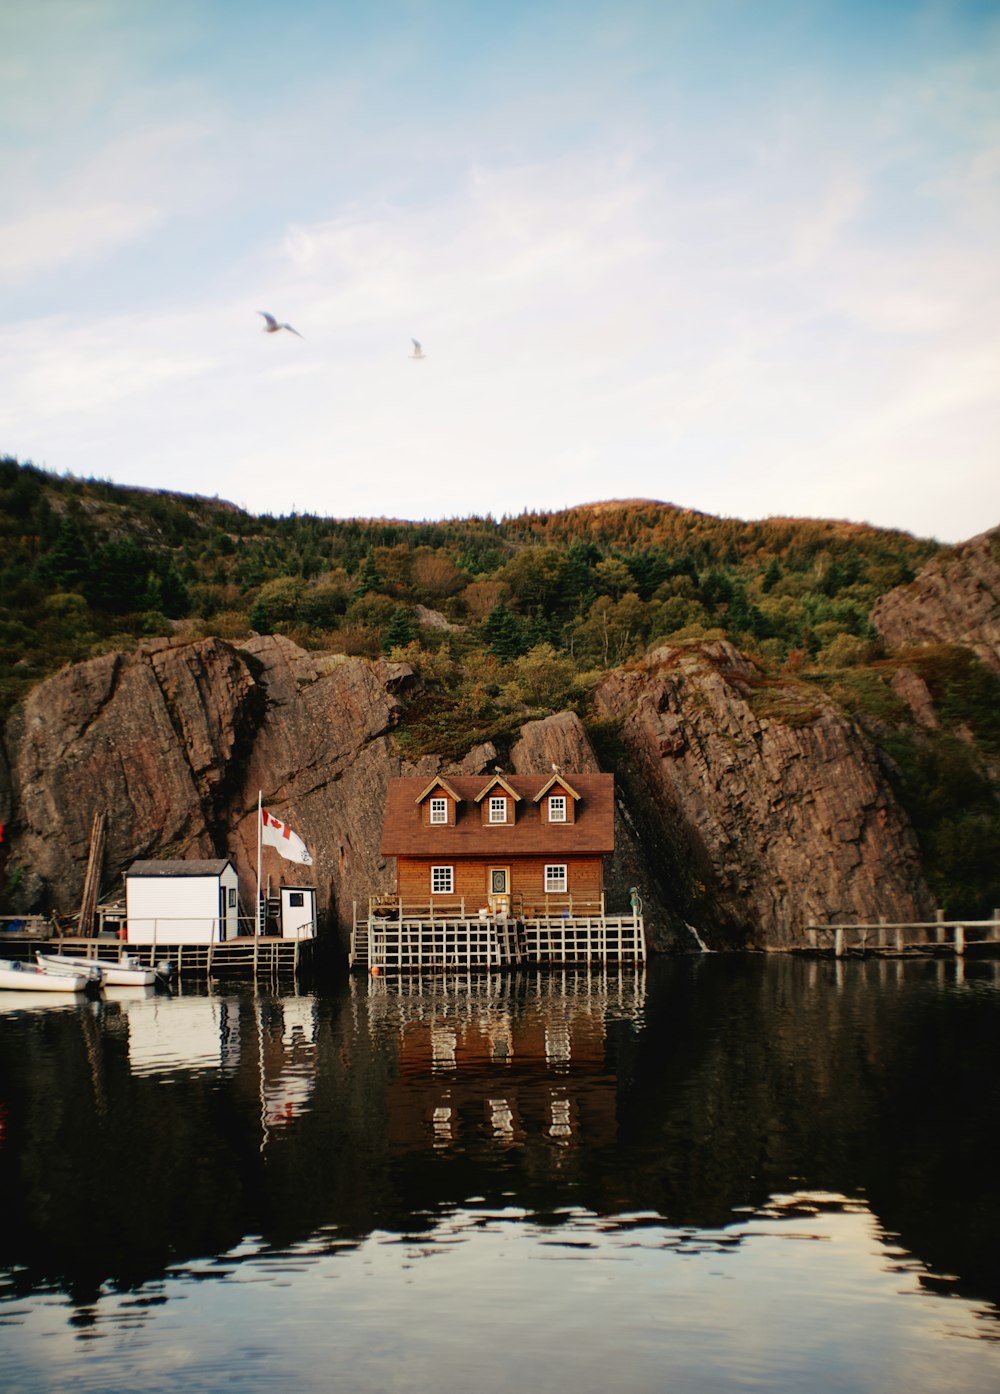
(181, 902)
(298, 912)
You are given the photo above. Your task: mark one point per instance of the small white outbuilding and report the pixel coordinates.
(181, 902)
(298, 912)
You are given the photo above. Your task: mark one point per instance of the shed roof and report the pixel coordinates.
(404, 832)
(181, 866)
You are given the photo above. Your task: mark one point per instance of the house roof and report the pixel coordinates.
(404, 834)
(187, 866)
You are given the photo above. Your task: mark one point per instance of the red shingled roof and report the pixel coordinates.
(405, 834)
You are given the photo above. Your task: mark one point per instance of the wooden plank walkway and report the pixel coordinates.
(247, 956)
(885, 937)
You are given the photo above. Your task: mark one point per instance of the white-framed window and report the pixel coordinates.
(555, 879)
(557, 808)
(498, 809)
(442, 880)
(439, 810)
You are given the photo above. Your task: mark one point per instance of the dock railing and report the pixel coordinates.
(543, 906)
(886, 936)
(514, 929)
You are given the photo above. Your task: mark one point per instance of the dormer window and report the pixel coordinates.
(557, 808)
(439, 810)
(498, 809)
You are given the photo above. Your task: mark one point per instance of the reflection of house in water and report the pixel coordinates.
(493, 1063)
(271, 1044)
(167, 1034)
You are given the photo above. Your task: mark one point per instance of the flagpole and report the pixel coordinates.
(260, 821)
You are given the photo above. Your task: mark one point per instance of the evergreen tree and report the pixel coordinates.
(772, 575)
(502, 630)
(368, 576)
(399, 631)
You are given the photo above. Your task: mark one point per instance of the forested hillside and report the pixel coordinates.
(86, 566)
(511, 618)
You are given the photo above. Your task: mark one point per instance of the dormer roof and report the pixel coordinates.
(563, 784)
(498, 779)
(438, 782)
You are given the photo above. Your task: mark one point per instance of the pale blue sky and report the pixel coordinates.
(742, 257)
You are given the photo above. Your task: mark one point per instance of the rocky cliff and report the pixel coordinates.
(954, 600)
(760, 806)
(743, 809)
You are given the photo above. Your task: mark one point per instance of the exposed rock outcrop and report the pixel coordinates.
(149, 738)
(760, 808)
(954, 600)
(743, 809)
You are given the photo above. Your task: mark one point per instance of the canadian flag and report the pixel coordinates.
(276, 834)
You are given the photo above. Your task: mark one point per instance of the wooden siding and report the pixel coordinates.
(584, 879)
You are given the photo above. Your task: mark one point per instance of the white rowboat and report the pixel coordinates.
(110, 972)
(29, 977)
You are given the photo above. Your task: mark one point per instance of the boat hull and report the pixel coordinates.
(107, 971)
(28, 977)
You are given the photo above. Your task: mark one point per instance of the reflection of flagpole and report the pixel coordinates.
(260, 823)
(264, 1134)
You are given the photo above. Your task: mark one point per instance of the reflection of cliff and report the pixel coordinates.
(693, 1094)
(868, 1079)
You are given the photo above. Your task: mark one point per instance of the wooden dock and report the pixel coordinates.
(924, 938)
(247, 956)
(402, 939)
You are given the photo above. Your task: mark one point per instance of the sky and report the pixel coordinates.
(739, 257)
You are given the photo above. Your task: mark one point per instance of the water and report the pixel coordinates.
(723, 1174)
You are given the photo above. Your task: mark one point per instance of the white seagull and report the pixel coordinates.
(271, 325)
(417, 350)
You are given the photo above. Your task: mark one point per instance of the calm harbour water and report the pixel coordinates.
(720, 1174)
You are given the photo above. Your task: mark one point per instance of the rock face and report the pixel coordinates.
(759, 809)
(954, 600)
(742, 821)
(174, 742)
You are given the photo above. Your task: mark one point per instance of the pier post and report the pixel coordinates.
(939, 933)
(995, 931)
(880, 933)
(959, 940)
(838, 943)
(899, 939)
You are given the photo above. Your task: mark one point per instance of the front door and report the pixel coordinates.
(499, 890)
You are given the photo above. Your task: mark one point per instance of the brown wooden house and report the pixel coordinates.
(508, 845)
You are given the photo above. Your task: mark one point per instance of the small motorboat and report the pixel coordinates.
(109, 972)
(30, 977)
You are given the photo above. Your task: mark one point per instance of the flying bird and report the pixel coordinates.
(271, 325)
(417, 350)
